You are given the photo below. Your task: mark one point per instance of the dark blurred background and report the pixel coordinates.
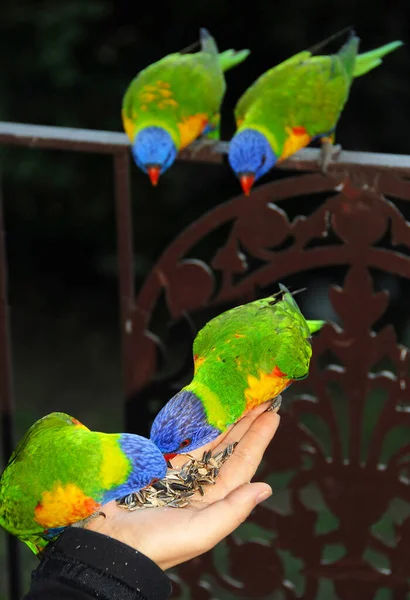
(68, 63)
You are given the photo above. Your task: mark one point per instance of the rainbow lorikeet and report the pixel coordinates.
(174, 101)
(290, 105)
(61, 473)
(243, 357)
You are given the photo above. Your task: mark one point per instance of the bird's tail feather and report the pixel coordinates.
(315, 325)
(348, 54)
(208, 43)
(228, 58)
(369, 60)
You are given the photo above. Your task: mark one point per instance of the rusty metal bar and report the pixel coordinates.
(6, 405)
(125, 259)
(110, 142)
(61, 138)
(307, 159)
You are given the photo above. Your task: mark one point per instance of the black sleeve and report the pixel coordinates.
(83, 564)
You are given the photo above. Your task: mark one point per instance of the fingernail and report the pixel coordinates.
(263, 496)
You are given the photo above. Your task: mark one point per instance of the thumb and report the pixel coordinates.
(223, 517)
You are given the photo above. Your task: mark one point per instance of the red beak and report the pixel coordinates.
(153, 172)
(247, 180)
(151, 482)
(169, 456)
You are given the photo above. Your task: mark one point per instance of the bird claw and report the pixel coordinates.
(275, 404)
(328, 152)
(85, 521)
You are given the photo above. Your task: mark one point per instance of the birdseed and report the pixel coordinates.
(179, 485)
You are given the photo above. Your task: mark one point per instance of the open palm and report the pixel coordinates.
(170, 536)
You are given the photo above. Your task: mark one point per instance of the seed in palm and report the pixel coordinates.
(179, 485)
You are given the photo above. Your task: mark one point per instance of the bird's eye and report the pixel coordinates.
(185, 443)
(168, 157)
(263, 161)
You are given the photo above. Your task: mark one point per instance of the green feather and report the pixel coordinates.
(232, 58)
(33, 468)
(242, 346)
(369, 60)
(61, 473)
(315, 326)
(194, 85)
(305, 91)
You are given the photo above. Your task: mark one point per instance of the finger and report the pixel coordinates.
(234, 433)
(237, 432)
(221, 518)
(242, 465)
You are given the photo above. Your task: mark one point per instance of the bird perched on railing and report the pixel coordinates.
(244, 357)
(294, 103)
(174, 101)
(62, 473)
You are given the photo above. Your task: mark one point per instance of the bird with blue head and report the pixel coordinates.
(62, 473)
(298, 101)
(174, 101)
(243, 358)
(251, 157)
(154, 151)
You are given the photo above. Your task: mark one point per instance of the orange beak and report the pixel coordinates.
(153, 172)
(247, 180)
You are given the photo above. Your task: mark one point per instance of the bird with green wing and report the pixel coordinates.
(174, 101)
(298, 101)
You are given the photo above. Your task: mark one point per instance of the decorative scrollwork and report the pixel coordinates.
(338, 525)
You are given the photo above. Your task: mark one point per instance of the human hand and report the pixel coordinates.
(170, 536)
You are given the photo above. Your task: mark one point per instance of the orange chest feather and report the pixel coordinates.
(190, 128)
(63, 505)
(264, 387)
(297, 138)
